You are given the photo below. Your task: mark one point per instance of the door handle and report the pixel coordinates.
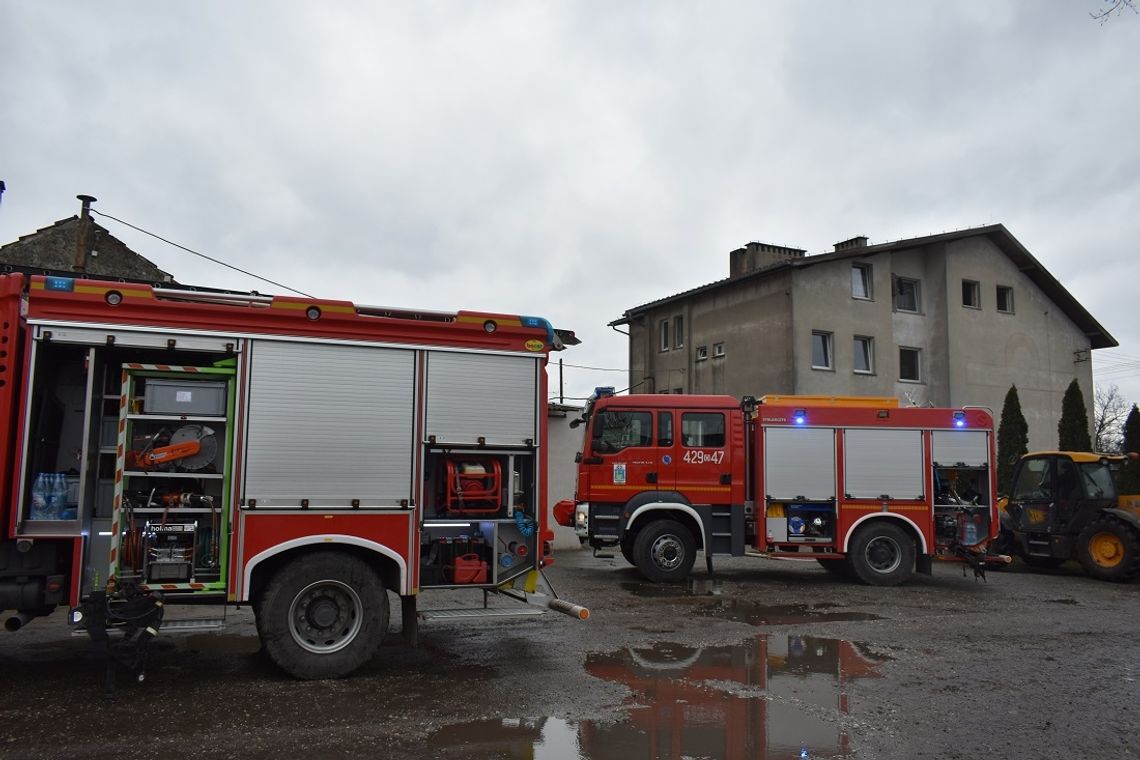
(650, 477)
(726, 478)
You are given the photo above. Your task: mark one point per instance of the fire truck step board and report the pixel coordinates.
(202, 624)
(479, 612)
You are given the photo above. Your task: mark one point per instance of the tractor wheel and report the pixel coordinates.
(1109, 549)
(882, 554)
(664, 551)
(840, 568)
(323, 616)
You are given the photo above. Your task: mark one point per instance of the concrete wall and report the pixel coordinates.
(751, 318)
(970, 356)
(1034, 347)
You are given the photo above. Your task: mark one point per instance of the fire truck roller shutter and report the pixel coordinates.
(329, 423)
(799, 463)
(969, 448)
(472, 396)
(883, 462)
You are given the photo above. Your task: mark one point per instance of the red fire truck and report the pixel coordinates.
(167, 444)
(870, 489)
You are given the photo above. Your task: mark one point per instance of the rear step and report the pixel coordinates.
(479, 612)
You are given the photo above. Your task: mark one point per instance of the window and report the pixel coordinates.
(820, 350)
(910, 365)
(718, 350)
(678, 332)
(861, 281)
(614, 431)
(678, 391)
(971, 294)
(864, 354)
(664, 328)
(1005, 299)
(702, 429)
(664, 428)
(702, 353)
(907, 295)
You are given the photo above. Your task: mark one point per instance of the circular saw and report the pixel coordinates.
(190, 447)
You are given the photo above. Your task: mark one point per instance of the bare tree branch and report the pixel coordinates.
(1112, 8)
(1109, 412)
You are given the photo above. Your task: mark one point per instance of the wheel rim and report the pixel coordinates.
(325, 616)
(667, 552)
(883, 554)
(1106, 549)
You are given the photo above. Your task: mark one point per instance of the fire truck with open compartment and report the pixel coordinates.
(169, 444)
(869, 489)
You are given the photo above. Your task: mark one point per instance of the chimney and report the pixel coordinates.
(756, 256)
(859, 241)
(83, 239)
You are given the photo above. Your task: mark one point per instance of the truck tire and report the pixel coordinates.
(323, 615)
(664, 551)
(1109, 550)
(840, 568)
(626, 546)
(882, 554)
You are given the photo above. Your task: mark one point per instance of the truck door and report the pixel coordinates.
(704, 461)
(619, 457)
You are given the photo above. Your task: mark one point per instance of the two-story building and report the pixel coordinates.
(949, 320)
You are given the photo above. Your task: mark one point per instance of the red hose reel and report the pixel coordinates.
(474, 486)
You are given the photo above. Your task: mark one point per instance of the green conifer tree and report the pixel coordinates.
(1013, 438)
(1073, 429)
(1128, 481)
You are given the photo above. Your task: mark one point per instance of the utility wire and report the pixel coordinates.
(202, 255)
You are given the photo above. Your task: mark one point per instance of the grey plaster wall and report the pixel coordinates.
(1034, 348)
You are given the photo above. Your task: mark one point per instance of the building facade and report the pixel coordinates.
(947, 320)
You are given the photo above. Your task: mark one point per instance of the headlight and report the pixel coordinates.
(580, 515)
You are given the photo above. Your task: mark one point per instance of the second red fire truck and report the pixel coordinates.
(869, 489)
(303, 456)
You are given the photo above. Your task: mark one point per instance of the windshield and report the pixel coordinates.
(1098, 480)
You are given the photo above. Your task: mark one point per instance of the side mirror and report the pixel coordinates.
(575, 422)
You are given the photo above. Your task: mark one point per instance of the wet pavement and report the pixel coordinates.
(764, 660)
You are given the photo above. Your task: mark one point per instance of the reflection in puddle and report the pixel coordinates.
(780, 614)
(770, 697)
(693, 587)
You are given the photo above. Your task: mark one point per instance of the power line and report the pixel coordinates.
(202, 255)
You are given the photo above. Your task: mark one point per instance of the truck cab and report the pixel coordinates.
(652, 474)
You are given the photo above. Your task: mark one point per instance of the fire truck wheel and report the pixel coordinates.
(626, 547)
(1109, 550)
(664, 551)
(840, 568)
(323, 616)
(882, 554)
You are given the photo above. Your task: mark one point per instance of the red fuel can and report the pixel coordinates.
(467, 568)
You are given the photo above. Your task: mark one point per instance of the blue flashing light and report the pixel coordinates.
(959, 419)
(62, 284)
(799, 416)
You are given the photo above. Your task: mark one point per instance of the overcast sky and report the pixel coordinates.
(575, 159)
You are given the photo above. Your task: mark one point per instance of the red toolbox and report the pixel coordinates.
(467, 568)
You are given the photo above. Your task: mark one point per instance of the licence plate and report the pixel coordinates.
(1036, 515)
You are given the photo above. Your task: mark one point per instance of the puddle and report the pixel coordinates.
(741, 611)
(767, 698)
(693, 587)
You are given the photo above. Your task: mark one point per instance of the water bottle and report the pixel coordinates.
(971, 532)
(39, 497)
(55, 496)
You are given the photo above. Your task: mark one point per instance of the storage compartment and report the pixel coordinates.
(811, 522)
(202, 398)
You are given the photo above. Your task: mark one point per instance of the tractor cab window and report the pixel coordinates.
(616, 430)
(1034, 481)
(1068, 483)
(1098, 480)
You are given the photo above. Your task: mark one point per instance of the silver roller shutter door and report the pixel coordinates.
(883, 462)
(799, 463)
(329, 423)
(472, 396)
(969, 448)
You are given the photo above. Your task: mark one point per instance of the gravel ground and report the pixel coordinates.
(759, 661)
